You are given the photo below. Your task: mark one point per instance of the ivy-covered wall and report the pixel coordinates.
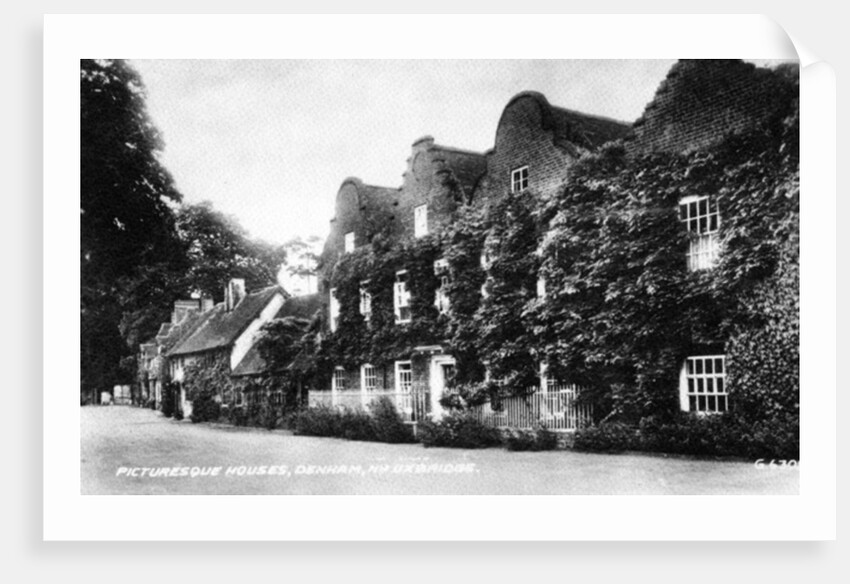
(621, 310)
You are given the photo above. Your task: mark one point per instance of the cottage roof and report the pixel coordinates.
(300, 307)
(221, 328)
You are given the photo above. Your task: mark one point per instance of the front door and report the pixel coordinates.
(442, 372)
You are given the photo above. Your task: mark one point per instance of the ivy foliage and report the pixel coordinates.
(621, 310)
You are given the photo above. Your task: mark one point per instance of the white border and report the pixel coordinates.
(70, 516)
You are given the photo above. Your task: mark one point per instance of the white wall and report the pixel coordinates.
(246, 339)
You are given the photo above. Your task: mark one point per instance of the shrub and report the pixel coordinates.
(606, 437)
(205, 409)
(714, 435)
(533, 440)
(357, 425)
(458, 430)
(381, 424)
(317, 421)
(237, 416)
(387, 424)
(169, 399)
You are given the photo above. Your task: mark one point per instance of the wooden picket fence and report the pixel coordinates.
(412, 406)
(555, 408)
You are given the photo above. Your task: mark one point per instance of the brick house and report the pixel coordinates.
(535, 145)
(700, 103)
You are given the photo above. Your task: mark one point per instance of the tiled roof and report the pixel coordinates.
(574, 129)
(300, 307)
(221, 328)
(586, 131)
(467, 166)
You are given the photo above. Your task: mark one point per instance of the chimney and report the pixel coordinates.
(207, 303)
(234, 292)
(182, 308)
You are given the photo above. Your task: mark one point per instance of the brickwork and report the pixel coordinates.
(547, 139)
(702, 100)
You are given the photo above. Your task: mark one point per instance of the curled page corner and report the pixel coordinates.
(805, 56)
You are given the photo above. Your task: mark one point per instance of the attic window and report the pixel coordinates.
(519, 179)
(349, 242)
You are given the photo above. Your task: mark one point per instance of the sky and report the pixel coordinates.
(270, 141)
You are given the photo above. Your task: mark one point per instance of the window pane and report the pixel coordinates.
(708, 366)
(703, 224)
(690, 385)
(703, 206)
(692, 209)
(712, 403)
(690, 366)
(700, 386)
(719, 385)
(721, 403)
(709, 385)
(699, 366)
(718, 365)
(713, 224)
(701, 403)
(692, 403)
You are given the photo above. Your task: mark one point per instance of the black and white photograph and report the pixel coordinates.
(439, 277)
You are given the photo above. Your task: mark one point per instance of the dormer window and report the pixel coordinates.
(420, 221)
(519, 179)
(349, 242)
(702, 220)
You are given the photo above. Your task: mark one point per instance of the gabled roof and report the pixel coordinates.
(221, 328)
(467, 166)
(573, 129)
(299, 307)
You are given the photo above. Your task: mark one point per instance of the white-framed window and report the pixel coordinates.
(403, 376)
(519, 179)
(703, 384)
(702, 219)
(338, 379)
(441, 297)
(368, 378)
(485, 260)
(240, 398)
(420, 221)
(349, 242)
(365, 301)
(334, 310)
(401, 297)
(541, 286)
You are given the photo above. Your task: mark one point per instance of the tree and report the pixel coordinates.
(218, 248)
(126, 216)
